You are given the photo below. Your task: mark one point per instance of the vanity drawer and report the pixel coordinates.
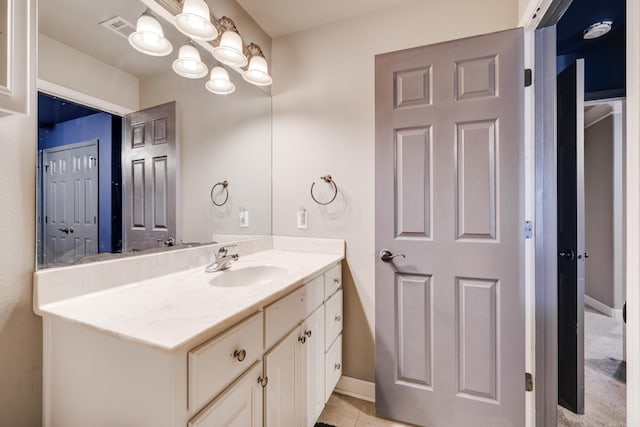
(333, 367)
(332, 281)
(218, 362)
(283, 315)
(332, 319)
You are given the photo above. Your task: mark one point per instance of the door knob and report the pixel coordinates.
(386, 255)
(569, 254)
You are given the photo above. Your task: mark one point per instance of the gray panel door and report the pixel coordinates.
(571, 229)
(70, 202)
(449, 195)
(149, 177)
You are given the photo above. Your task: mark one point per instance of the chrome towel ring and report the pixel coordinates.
(225, 188)
(328, 180)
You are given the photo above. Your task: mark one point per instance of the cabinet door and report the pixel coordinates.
(312, 347)
(239, 406)
(284, 406)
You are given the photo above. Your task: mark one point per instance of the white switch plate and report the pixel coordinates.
(302, 219)
(244, 219)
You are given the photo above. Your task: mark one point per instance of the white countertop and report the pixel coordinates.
(183, 308)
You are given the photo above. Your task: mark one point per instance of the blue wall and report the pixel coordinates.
(604, 71)
(97, 126)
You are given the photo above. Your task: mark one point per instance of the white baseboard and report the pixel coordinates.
(360, 389)
(615, 313)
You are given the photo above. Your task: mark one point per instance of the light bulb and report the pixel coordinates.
(229, 51)
(149, 37)
(219, 82)
(195, 21)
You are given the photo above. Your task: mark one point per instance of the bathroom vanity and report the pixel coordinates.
(259, 344)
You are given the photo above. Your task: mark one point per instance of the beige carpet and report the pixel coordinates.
(604, 375)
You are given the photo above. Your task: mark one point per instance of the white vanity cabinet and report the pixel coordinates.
(297, 366)
(274, 368)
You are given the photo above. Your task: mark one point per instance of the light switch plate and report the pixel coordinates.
(302, 219)
(244, 219)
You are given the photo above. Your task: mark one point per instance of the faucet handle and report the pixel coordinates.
(224, 250)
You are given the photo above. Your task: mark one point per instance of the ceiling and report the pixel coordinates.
(76, 24)
(583, 13)
(53, 110)
(282, 17)
(605, 64)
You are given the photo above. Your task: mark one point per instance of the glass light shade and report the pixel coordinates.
(229, 51)
(258, 72)
(149, 37)
(219, 82)
(195, 20)
(189, 64)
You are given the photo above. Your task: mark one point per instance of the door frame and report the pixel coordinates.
(544, 325)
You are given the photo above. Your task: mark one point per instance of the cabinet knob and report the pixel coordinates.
(338, 318)
(338, 366)
(263, 381)
(302, 339)
(240, 355)
(336, 280)
(308, 333)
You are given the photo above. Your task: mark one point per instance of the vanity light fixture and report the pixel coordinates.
(195, 21)
(149, 37)
(219, 82)
(189, 64)
(257, 73)
(230, 50)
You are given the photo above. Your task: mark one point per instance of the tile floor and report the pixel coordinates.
(345, 411)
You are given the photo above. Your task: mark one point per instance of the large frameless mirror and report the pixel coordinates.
(132, 157)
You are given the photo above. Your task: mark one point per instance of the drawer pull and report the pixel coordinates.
(302, 339)
(240, 355)
(308, 333)
(263, 381)
(338, 318)
(337, 366)
(336, 280)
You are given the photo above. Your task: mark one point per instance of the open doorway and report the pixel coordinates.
(604, 366)
(588, 376)
(79, 182)
(591, 36)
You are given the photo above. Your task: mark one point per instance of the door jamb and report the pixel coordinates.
(632, 203)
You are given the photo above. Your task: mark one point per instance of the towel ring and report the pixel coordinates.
(328, 180)
(225, 187)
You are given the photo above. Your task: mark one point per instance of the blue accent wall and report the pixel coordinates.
(604, 71)
(97, 126)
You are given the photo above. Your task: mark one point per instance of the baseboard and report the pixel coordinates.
(615, 313)
(360, 389)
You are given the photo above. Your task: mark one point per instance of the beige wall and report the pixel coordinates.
(598, 186)
(323, 100)
(20, 328)
(72, 69)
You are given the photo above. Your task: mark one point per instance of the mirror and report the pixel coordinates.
(89, 78)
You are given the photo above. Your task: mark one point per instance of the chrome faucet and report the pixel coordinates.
(222, 260)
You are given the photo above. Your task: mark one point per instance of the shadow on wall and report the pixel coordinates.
(358, 350)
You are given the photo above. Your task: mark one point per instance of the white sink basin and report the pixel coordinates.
(238, 276)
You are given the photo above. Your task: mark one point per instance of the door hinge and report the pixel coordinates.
(528, 381)
(528, 77)
(528, 229)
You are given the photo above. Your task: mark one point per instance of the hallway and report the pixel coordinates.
(605, 375)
